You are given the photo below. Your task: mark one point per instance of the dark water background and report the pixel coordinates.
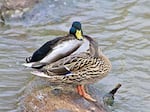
(121, 27)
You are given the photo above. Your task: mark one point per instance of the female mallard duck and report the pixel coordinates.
(78, 69)
(53, 50)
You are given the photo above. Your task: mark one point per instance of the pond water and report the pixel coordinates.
(121, 27)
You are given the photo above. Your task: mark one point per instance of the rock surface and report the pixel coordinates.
(19, 4)
(54, 98)
(14, 9)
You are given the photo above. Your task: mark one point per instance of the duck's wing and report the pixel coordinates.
(64, 67)
(43, 50)
(53, 50)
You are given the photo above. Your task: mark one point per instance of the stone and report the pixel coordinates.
(60, 98)
(14, 9)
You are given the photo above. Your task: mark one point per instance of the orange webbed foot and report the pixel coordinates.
(82, 92)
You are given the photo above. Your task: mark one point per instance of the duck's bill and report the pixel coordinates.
(40, 74)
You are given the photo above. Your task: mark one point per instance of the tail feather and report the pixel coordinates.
(36, 65)
(40, 74)
(28, 64)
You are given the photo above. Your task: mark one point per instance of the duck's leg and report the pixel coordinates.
(79, 90)
(82, 92)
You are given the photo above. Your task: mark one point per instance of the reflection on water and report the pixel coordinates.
(122, 29)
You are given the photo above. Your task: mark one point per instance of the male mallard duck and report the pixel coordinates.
(60, 47)
(77, 69)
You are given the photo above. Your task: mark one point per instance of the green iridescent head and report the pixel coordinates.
(76, 30)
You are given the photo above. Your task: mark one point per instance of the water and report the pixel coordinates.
(122, 29)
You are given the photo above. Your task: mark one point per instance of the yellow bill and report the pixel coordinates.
(79, 34)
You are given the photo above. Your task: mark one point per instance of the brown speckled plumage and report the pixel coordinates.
(78, 69)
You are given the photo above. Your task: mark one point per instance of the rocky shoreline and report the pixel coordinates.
(14, 9)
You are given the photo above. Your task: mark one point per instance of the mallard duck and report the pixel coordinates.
(108, 98)
(78, 69)
(60, 47)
